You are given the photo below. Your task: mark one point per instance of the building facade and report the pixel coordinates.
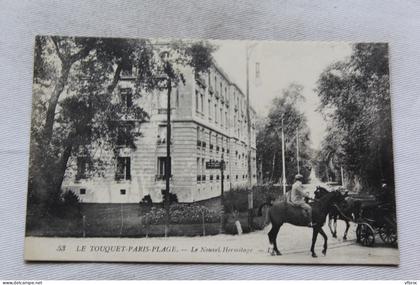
(209, 121)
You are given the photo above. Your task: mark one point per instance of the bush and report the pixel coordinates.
(237, 199)
(70, 199)
(182, 214)
(66, 207)
(146, 201)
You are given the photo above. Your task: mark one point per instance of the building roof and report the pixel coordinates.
(224, 74)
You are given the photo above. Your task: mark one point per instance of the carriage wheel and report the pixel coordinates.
(367, 235)
(388, 234)
(358, 233)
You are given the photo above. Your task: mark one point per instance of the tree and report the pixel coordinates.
(355, 100)
(75, 107)
(269, 137)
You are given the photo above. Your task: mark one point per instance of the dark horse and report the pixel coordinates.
(346, 212)
(282, 212)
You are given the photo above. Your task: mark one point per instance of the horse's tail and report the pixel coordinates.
(268, 203)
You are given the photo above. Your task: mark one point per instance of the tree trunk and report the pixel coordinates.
(62, 166)
(52, 104)
(66, 64)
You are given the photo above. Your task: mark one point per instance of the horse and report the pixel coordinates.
(346, 212)
(281, 212)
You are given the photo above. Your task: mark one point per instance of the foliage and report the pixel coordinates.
(77, 110)
(355, 100)
(70, 199)
(173, 198)
(182, 214)
(269, 147)
(146, 201)
(237, 199)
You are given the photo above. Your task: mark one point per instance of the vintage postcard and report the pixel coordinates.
(152, 150)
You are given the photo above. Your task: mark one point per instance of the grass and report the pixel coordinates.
(126, 220)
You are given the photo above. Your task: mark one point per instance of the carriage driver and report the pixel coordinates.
(297, 197)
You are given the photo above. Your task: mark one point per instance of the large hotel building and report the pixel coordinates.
(209, 120)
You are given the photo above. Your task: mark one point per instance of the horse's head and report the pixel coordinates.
(338, 197)
(320, 192)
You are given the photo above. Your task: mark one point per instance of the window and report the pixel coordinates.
(203, 168)
(257, 70)
(82, 191)
(226, 120)
(127, 69)
(198, 137)
(82, 167)
(161, 168)
(221, 117)
(123, 168)
(122, 191)
(210, 145)
(177, 98)
(209, 108)
(201, 103)
(124, 136)
(126, 97)
(161, 135)
(162, 103)
(197, 101)
(215, 112)
(198, 170)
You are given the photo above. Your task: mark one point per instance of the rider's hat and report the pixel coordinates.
(299, 177)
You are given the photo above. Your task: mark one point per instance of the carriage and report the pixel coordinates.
(376, 219)
(372, 217)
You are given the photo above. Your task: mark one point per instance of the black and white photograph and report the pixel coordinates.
(211, 151)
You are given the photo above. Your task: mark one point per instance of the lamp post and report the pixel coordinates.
(283, 158)
(297, 149)
(222, 193)
(248, 117)
(168, 166)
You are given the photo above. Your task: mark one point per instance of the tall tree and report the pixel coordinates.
(355, 100)
(76, 107)
(269, 150)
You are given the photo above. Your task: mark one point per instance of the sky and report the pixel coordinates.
(280, 64)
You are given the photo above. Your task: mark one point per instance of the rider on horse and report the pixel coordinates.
(297, 197)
